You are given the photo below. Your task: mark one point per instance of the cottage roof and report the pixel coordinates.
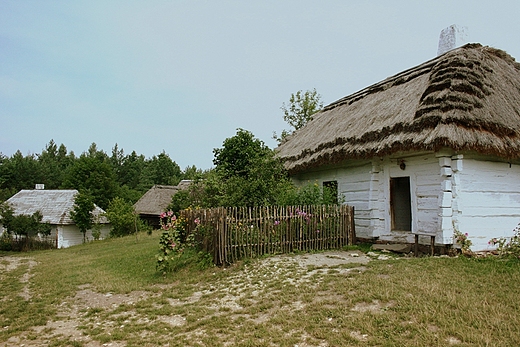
(467, 99)
(54, 205)
(155, 200)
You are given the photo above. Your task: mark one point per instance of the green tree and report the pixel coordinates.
(6, 189)
(239, 154)
(299, 111)
(192, 173)
(93, 173)
(163, 170)
(28, 226)
(54, 161)
(247, 173)
(19, 172)
(123, 220)
(81, 213)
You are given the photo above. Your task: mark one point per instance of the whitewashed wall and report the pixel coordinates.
(353, 185)
(472, 195)
(366, 186)
(425, 185)
(70, 235)
(486, 199)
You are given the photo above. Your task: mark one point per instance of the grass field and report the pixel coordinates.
(108, 294)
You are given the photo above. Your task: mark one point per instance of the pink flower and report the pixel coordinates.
(197, 221)
(163, 215)
(276, 222)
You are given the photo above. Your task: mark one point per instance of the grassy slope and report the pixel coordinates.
(406, 302)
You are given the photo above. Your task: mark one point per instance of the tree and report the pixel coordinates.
(247, 173)
(131, 170)
(299, 111)
(192, 173)
(162, 170)
(81, 213)
(238, 154)
(20, 172)
(123, 220)
(28, 226)
(93, 173)
(54, 162)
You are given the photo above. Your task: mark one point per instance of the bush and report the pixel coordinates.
(5, 242)
(309, 194)
(177, 248)
(508, 247)
(122, 218)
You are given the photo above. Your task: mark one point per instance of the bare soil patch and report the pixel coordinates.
(76, 311)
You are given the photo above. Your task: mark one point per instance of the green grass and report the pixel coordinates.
(397, 302)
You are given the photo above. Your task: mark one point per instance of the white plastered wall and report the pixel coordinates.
(486, 199)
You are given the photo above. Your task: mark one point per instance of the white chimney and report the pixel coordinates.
(452, 37)
(40, 186)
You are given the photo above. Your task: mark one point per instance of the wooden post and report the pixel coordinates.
(416, 250)
(352, 227)
(432, 245)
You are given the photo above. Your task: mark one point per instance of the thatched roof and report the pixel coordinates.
(54, 205)
(155, 200)
(467, 99)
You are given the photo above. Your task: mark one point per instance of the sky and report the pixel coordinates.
(182, 76)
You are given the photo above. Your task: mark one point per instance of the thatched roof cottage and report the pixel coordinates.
(55, 206)
(432, 150)
(156, 200)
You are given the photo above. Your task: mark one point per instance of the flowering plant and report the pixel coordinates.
(508, 247)
(173, 240)
(462, 240)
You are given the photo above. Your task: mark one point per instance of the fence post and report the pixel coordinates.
(352, 227)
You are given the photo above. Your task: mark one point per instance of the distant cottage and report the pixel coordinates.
(155, 201)
(55, 206)
(432, 150)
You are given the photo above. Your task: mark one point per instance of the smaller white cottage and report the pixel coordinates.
(55, 206)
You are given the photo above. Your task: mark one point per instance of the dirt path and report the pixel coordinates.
(72, 311)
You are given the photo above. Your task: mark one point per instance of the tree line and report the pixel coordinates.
(104, 176)
(246, 173)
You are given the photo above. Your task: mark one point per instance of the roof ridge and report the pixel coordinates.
(399, 78)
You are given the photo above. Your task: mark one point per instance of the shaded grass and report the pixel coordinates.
(402, 302)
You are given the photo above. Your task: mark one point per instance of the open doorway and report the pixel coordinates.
(400, 204)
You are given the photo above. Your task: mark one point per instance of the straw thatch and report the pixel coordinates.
(155, 200)
(467, 99)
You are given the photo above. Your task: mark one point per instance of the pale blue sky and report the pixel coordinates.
(181, 76)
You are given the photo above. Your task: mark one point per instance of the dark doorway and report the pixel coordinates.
(400, 204)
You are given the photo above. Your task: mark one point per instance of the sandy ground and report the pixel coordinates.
(72, 309)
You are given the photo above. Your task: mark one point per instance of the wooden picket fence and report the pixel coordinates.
(231, 234)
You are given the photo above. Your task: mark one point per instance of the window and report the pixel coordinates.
(330, 191)
(400, 204)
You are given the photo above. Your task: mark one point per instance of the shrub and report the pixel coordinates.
(462, 240)
(508, 247)
(308, 194)
(122, 218)
(176, 247)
